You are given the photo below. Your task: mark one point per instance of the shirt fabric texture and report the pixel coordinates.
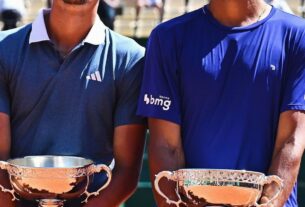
(225, 86)
(68, 105)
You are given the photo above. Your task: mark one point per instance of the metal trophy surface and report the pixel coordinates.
(219, 187)
(51, 180)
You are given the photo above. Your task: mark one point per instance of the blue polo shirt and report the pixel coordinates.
(68, 105)
(225, 86)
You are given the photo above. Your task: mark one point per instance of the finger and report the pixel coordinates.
(264, 199)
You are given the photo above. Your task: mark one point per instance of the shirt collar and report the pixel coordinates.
(39, 31)
(96, 35)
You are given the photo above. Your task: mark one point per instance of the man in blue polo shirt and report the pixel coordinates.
(224, 87)
(69, 86)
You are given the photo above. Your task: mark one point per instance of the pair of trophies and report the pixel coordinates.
(51, 180)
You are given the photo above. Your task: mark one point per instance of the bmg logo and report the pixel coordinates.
(165, 102)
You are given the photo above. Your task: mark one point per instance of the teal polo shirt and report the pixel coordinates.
(68, 105)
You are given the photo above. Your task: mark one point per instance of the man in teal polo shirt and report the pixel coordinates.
(69, 86)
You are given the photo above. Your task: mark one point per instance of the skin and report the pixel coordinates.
(5, 140)
(77, 17)
(128, 150)
(165, 153)
(165, 148)
(237, 13)
(287, 154)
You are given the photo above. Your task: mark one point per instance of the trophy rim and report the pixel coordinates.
(220, 175)
(219, 170)
(88, 162)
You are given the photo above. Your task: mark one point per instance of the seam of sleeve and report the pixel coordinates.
(139, 121)
(293, 107)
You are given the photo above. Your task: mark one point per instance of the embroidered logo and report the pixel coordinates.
(96, 76)
(272, 67)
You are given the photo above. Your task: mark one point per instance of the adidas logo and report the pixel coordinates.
(96, 76)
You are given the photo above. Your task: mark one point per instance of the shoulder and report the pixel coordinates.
(124, 45)
(289, 27)
(287, 20)
(15, 35)
(14, 40)
(13, 43)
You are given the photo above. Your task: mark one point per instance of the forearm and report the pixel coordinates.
(128, 147)
(121, 187)
(5, 146)
(165, 159)
(286, 164)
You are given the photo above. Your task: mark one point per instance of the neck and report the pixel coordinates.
(67, 27)
(236, 13)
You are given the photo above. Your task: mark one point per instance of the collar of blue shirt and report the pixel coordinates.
(96, 35)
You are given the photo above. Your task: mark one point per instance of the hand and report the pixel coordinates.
(269, 191)
(186, 199)
(6, 200)
(89, 204)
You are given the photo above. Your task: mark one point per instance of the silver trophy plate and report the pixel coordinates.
(218, 187)
(51, 180)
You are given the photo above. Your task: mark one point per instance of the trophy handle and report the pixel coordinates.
(98, 169)
(268, 180)
(170, 176)
(4, 166)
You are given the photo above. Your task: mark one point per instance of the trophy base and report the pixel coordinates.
(51, 203)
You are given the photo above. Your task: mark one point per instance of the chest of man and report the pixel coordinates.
(55, 84)
(231, 68)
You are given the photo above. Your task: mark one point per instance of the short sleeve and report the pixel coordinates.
(294, 80)
(4, 93)
(128, 92)
(160, 96)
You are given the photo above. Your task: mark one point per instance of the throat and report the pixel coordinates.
(238, 15)
(65, 40)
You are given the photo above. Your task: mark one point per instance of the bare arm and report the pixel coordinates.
(5, 136)
(128, 151)
(165, 153)
(288, 151)
(5, 145)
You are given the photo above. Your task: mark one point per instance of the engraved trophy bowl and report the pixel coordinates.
(51, 180)
(219, 187)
